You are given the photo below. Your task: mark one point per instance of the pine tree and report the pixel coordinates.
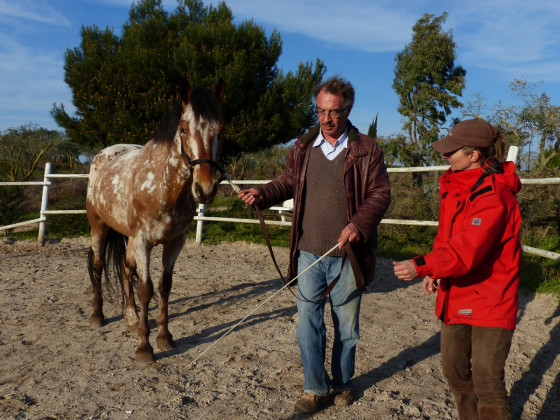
(123, 86)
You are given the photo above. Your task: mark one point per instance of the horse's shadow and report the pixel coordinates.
(251, 290)
(211, 334)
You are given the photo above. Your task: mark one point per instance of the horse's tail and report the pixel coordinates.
(115, 254)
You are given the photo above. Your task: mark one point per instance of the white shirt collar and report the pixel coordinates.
(332, 151)
(342, 141)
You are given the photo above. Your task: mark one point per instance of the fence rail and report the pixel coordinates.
(200, 218)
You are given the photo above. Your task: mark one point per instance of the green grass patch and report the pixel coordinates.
(540, 275)
(400, 242)
(231, 207)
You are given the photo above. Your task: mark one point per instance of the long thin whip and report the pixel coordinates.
(259, 306)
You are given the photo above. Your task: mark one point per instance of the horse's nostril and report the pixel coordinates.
(198, 189)
(205, 195)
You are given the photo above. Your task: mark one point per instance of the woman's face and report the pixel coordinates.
(461, 161)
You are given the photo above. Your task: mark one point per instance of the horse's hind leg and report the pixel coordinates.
(170, 253)
(96, 258)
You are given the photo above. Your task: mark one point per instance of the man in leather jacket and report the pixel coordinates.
(338, 180)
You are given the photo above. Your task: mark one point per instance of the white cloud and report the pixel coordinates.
(512, 36)
(31, 82)
(516, 37)
(359, 25)
(32, 11)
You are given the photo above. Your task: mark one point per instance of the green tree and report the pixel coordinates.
(372, 130)
(23, 148)
(123, 86)
(428, 84)
(540, 117)
(398, 151)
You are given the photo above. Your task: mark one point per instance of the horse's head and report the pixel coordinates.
(199, 129)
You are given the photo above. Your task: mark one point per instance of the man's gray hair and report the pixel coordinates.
(336, 85)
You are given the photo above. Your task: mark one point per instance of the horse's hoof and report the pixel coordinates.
(144, 356)
(96, 321)
(133, 327)
(165, 343)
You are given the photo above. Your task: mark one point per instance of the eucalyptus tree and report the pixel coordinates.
(428, 84)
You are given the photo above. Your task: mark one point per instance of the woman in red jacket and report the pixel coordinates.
(477, 258)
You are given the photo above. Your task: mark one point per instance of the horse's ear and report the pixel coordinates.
(185, 91)
(220, 89)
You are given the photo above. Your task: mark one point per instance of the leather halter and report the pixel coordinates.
(192, 163)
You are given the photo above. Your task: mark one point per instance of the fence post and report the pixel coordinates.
(512, 154)
(199, 224)
(44, 203)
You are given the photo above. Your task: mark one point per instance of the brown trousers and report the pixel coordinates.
(473, 361)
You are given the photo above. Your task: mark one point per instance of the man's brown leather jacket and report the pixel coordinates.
(368, 194)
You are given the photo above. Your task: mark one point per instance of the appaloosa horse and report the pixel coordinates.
(148, 195)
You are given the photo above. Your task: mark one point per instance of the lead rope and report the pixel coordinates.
(234, 187)
(259, 306)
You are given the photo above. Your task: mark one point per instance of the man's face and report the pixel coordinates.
(332, 115)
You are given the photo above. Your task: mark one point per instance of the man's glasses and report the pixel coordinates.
(334, 113)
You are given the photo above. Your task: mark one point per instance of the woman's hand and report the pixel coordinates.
(430, 285)
(405, 270)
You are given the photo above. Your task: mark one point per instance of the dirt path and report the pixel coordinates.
(54, 366)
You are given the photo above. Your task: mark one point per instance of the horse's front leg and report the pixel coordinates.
(145, 292)
(170, 254)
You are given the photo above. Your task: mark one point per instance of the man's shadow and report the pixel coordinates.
(525, 387)
(405, 359)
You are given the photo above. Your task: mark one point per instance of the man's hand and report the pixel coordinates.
(405, 270)
(350, 233)
(250, 196)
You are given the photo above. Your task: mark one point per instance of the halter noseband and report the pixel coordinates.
(193, 163)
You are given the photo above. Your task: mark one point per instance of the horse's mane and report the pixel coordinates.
(203, 103)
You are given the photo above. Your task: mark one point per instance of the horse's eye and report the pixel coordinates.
(182, 130)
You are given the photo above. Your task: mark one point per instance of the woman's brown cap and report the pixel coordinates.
(475, 132)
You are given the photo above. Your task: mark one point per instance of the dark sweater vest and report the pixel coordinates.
(324, 203)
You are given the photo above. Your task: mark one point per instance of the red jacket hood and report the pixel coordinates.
(467, 179)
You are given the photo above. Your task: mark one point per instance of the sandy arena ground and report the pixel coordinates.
(53, 365)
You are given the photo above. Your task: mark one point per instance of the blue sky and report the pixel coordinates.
(497, 42)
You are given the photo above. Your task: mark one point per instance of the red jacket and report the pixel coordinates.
(477, 252)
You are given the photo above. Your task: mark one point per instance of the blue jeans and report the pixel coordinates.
(311, 331)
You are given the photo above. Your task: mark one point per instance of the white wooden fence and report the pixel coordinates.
(283, 210)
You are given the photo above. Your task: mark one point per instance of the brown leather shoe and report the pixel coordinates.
(310, 402)
(343, 397)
